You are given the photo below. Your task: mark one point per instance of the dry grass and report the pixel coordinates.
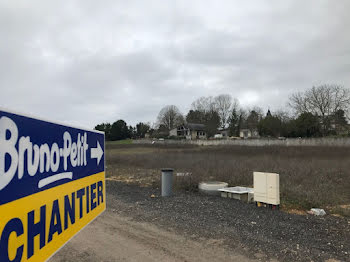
(309, 176)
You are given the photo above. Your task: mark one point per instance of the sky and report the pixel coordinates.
(86, 62)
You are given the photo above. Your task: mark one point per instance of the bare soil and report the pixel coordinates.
(112, 237)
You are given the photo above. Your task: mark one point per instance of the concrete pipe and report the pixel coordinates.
(211, 187)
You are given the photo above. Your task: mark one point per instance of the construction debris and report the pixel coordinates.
(317, 212)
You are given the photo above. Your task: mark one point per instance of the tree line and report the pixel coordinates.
(119, 130)
(319, 111)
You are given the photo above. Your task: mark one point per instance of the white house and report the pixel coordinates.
(189, 131)
(247, 133)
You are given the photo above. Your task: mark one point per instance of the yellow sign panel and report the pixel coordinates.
(40, 224)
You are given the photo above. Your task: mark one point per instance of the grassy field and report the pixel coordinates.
(309, 176)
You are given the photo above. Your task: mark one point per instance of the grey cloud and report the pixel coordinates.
(84, 62)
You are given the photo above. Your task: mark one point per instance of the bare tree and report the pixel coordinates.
(220, 104)
(170, 117)
(223, 105)
(282, 115)
(258, 110)
(298, 102)
(235, 104)
(324, 101)
(341, 98)
(204, 104)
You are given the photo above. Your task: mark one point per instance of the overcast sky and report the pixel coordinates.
(86, 62)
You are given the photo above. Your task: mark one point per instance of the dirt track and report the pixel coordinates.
(112, 237)
(192, 227)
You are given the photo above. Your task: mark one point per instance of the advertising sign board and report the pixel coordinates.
(52, 184)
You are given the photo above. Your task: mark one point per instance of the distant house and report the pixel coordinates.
(338, 126)
(339, 129)
(247, 133)
(225, 133)
(189, 131)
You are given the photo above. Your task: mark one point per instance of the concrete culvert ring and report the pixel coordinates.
(211, 187)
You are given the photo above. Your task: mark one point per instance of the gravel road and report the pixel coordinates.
(218, 229)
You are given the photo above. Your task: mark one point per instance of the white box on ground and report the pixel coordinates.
(267, 188)
(245, 194)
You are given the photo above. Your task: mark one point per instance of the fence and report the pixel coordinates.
(341, 142)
